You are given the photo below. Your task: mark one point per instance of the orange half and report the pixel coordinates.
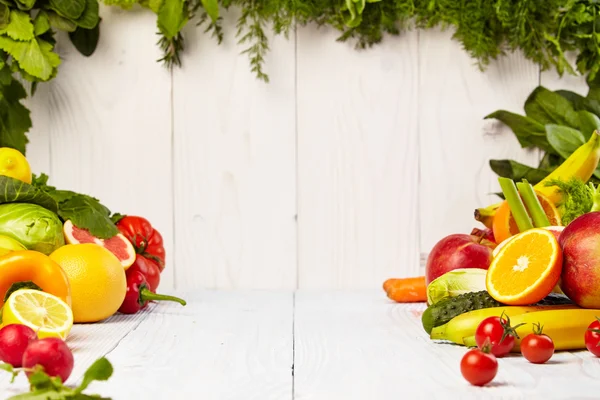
(526, 269)
(505, 226)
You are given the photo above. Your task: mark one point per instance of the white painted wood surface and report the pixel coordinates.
(342, 345)
(341, 172)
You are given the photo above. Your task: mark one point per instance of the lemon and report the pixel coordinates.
(97, 279)
(43, 312)
(14, 164)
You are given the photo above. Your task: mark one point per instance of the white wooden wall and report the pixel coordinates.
(341, 172)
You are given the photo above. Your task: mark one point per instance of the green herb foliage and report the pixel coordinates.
(44, 387)
(555, 122)
(578, 198)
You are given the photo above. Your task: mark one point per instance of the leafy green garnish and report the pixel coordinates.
(15, 191)
(577, 198)
(44, 387)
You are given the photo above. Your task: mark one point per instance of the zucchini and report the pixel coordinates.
(446, 309)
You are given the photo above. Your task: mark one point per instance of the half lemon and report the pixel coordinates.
(43, 312)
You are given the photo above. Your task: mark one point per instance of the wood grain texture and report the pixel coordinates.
(357, 161)
(222, 345)
(108, 120)
(456, 143)
(358, 345)
(235, 168)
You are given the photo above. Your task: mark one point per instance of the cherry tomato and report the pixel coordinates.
(592, 338)
(536, 347)
(479, 367)
(499, 333)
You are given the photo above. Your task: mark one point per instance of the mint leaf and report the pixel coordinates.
(20, 26)
(563, 139)
(60, 22)
(100, 370)
(4, 16)
(85, 40)
(41, 23)
(35, 56)
(90, 18)
(72, 9)
(87, 213)
(15, 191)
(212, 9)
(171, 18)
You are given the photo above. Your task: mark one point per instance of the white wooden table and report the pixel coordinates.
(306, 345)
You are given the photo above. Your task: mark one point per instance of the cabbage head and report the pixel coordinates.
(33, 226)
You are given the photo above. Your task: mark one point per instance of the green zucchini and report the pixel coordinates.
(446, 309)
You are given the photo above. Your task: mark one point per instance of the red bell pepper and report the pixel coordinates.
(147, 241)
(139, 294)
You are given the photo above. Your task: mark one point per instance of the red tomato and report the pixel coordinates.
(536, 347)
(592, 338)
(478, 367)
(499, 333)
(146, 240)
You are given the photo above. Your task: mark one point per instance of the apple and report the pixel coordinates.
(458, 251)
(580, 243)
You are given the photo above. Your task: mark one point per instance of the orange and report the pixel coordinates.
(505, 226)
(526, 269)
(97, 278)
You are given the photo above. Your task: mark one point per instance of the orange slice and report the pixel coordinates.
(505, 226)
(526, 269)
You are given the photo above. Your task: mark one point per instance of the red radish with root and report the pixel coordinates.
(52, 354)
(14, 339)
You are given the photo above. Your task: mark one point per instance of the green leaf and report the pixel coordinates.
(60, 22)
(563, 139)
(547, 107)
(72, 9)
(90, 18)
(100, 370)
(87, 213)
(4, 16)
(577, 100)
(25, 4)
(7, 367)
(35, 57)
(528, 131)
(116, 217)
(212, 9)
(155, 5)
(41, 23)
(15, 191)
(171, 18)
(85, 40)
(14, 117)
(517, 171)
(42, 394)
(588, 123)
(21, 285)
(20, 26)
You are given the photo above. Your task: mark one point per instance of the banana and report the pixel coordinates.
(581, 164)
(565, 327)
(460, 328)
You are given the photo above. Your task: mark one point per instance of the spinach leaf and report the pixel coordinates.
(565, 140)
(588, 123)
(547, 107)
(517, 171)
(528, 131)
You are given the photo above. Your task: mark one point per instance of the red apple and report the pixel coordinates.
(458, 251)
(580, 242)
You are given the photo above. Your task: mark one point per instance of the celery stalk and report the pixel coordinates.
(517, 208)
(540, 219)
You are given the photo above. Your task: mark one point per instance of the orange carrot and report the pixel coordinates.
(407, 290)
(389, 283)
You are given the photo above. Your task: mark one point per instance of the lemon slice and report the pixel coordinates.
(43, 312)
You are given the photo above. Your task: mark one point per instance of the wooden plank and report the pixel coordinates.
(551, 80)
(235, 169)
(456, 143)
(88, 342)
(357, 161)
(109, 122)
(359, 345)
(222, 345)
(38, 148)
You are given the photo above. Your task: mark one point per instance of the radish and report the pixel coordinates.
(14, 339)
(52, 354)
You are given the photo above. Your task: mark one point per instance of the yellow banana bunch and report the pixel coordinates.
(460, 328)
(565, 327)
(581, 164)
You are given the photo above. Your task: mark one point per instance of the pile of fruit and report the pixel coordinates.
(526, 282)
(65, 259)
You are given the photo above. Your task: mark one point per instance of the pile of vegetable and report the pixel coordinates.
(65, 258)
(528, 280)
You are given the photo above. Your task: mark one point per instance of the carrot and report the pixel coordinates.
(406, 290)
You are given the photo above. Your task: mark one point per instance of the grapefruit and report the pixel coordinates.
(118, 245)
